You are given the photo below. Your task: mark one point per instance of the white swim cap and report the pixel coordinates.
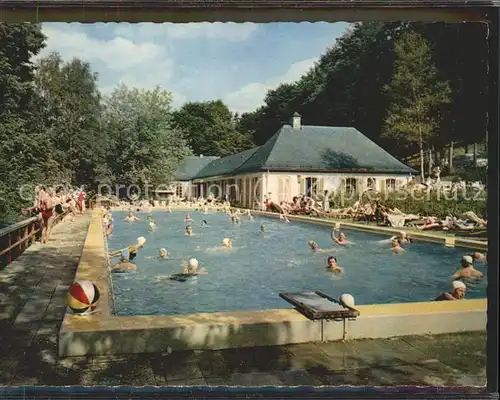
(467, 259)
(347, 299)
(193, 263)
(226, 241)
(458, 285)
(141, 240)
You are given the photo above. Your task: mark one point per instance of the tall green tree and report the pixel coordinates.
(416, 93)
(143, 145)
(22, 141)
(211, 128)
(72, 111)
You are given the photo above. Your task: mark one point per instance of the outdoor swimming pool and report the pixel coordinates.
(263, 264)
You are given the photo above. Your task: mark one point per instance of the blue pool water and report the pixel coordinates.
(263, 264)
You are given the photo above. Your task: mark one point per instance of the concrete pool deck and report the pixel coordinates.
(33, 297)
(104, 333)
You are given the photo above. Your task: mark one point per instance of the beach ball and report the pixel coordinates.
(82, 297)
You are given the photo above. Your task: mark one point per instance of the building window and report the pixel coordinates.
(178, 190)
(311, 187)
(371, 184)
(350, 186)
(390, 184)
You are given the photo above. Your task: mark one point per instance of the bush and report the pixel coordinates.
(472, 174)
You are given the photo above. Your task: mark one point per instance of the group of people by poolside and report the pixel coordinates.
(50, 202)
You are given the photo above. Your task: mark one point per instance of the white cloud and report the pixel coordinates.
(229, 31)
(251, 96)
(117, 60)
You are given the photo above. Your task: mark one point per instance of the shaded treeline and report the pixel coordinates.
(57, 128)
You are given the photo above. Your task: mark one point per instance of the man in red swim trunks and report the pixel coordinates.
(47, 210)
(81, 201)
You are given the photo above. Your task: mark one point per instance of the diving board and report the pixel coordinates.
(317, 305)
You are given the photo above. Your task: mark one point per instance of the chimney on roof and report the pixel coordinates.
(201, 155)
(296, 120)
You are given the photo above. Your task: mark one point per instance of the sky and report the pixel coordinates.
(237, 63)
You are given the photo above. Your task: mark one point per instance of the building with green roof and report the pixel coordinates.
(302, 159)
(186, 172)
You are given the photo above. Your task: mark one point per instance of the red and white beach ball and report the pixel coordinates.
(82, 297)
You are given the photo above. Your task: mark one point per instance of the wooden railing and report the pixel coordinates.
(16, 238)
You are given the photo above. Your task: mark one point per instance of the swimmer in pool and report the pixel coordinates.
(284, 218)
(403, 238)
(332, 265)
(341, 239)
(250, 217)
(187, 218)
(396, 246)
(227, 243)
(458, 292)
(124, 265)
(315, 248)
(152, 224)
(163, 254)
(235, 218)
(468, 270)
(263, 228)
(189, 269)
(189, 230)
(132, 250)
(204, 223)
(479, 256)
(131, 217)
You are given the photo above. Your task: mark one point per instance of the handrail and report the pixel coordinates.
(18, 225)
(24, 233)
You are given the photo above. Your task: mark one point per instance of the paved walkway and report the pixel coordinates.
(32, 304)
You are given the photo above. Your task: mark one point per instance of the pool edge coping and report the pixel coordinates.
(93, 267)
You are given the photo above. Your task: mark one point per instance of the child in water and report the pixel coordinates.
(227, 243)
(187, 218)
(189, 230)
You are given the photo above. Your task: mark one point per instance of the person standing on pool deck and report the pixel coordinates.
(332, 265)
(458, 292)
(468, 270)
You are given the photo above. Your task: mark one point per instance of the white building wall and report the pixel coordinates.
(284, 186)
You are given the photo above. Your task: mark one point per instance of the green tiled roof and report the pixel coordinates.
(191, 166)
(226, 165)
(322, 148)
